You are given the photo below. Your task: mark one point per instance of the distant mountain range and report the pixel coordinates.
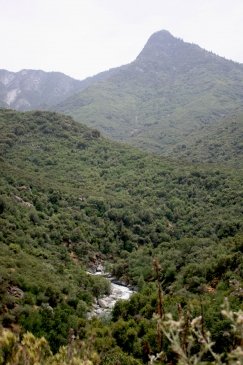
(36, 89)
(163, 100)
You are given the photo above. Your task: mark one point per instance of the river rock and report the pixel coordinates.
(102, 303)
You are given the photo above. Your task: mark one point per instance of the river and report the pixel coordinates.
(104, 305)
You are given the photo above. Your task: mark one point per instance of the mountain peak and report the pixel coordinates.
(161, 35)
(165, 52)
(160, 44)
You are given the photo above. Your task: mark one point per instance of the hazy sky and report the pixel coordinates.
(84, 37)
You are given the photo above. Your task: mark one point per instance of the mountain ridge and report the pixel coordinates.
(168, 91)
(163, 40)
(157, 102)
(30, 89)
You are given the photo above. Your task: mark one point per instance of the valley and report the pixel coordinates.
(138, 168)
(71, 198)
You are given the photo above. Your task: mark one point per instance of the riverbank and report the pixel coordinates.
(104, 305)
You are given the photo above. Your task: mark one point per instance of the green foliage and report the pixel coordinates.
(31, 350)
(219, 143)
(183, 340)
(64, 208)
(192, 344)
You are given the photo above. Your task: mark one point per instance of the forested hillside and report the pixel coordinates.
(171, 90)
(219, 143)
(71, 199)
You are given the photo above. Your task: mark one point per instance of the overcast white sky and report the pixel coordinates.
(84, 37)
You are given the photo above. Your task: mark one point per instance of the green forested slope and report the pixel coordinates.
(70, 199)
(172, 89)
(220, 143)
